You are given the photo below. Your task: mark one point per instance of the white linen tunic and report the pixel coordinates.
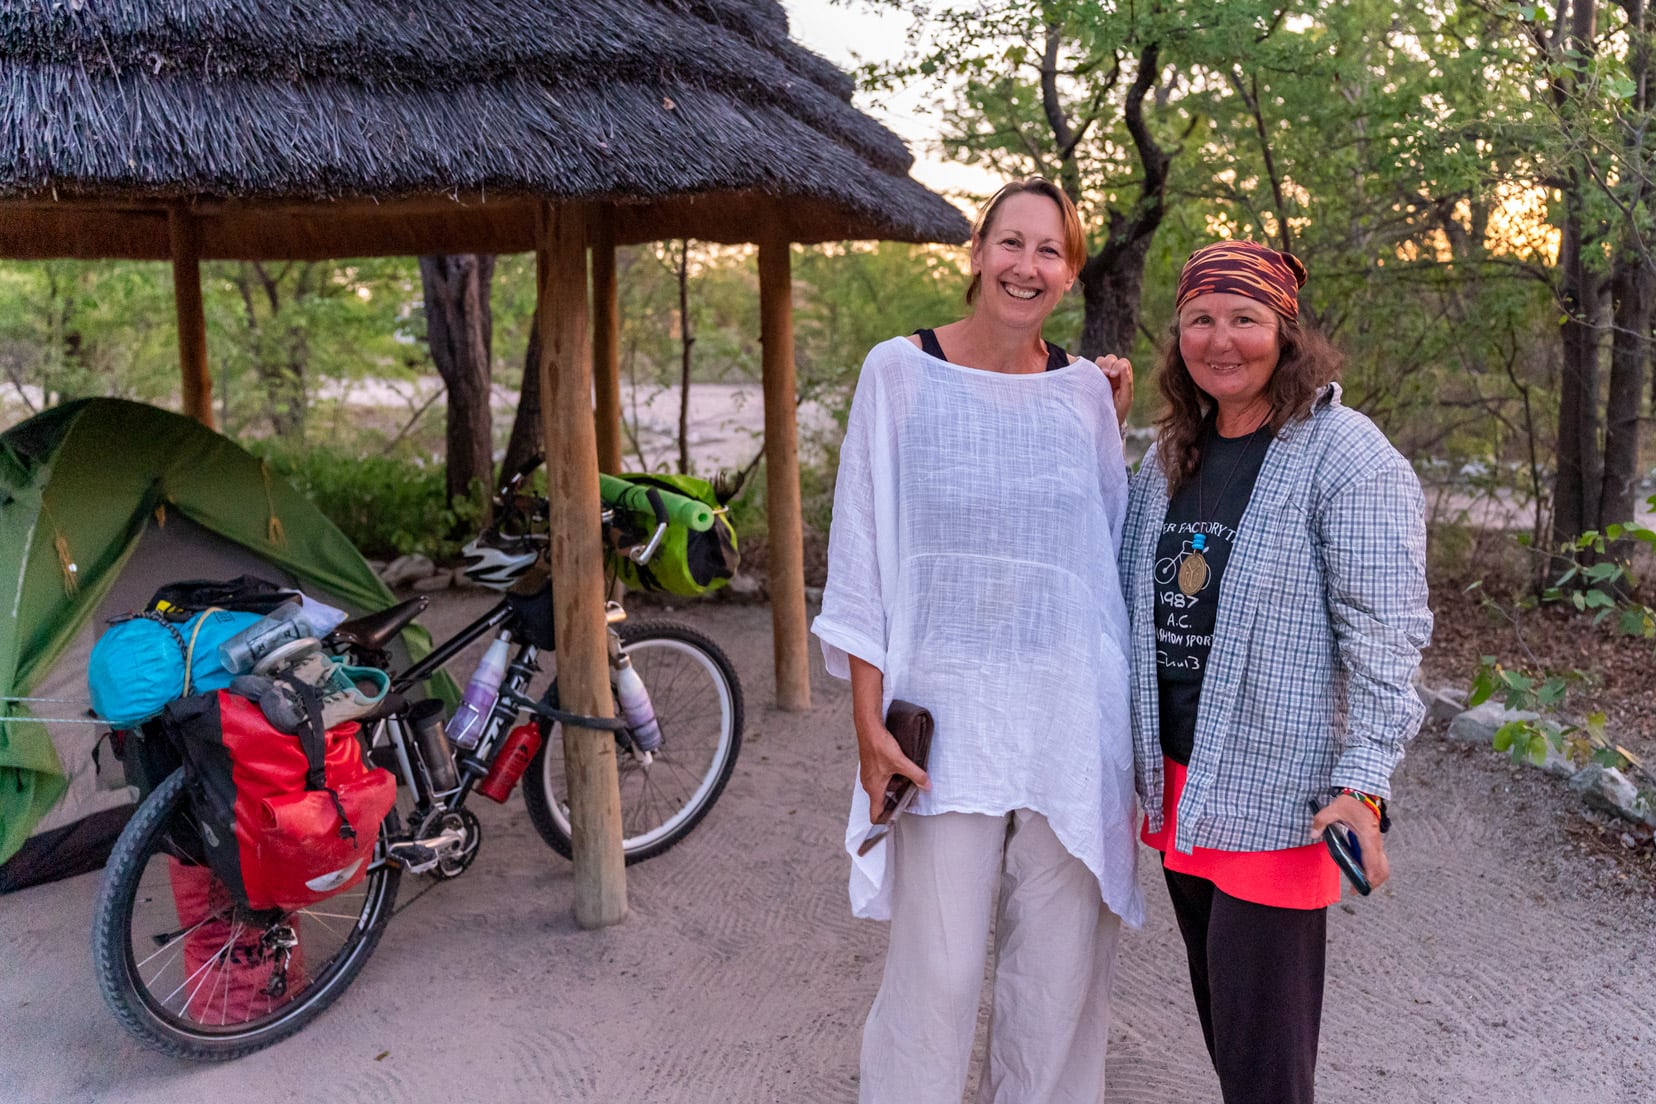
(972, 559)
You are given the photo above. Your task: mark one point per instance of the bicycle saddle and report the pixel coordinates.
(373, 631)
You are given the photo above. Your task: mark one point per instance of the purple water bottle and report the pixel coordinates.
(465, 728)
(636, 709)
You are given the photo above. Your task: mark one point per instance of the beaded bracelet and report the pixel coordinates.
(1376, 805)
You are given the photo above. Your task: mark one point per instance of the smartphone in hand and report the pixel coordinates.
(1347, 854)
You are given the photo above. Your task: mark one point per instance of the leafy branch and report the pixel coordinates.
(1594, 586)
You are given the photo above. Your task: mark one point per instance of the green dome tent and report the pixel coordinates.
(101, 502)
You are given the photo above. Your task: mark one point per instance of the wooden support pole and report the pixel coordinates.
(192, 317)
(787, 541)
(578, 565)
(606, 342)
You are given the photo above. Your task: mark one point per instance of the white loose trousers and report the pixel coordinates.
(1055, 953)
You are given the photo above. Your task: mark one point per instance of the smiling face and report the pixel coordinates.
(1231, 345)
(1020, 260)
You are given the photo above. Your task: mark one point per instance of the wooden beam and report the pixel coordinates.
(787, 542)
(606, 342)
(578, 566)
(185, 240)
(135, 228)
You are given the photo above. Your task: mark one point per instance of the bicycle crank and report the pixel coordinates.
(445, 843)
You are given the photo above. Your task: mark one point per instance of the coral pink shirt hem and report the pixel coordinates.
(1296, 878)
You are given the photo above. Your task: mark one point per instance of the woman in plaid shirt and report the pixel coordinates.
(1275, 564)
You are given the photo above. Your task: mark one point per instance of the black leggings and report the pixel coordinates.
(1257, 975)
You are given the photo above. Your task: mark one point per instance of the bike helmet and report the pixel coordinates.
(497, 561)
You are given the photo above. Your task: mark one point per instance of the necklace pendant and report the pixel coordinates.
(1193, 574)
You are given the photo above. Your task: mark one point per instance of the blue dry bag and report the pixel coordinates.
(137, 667)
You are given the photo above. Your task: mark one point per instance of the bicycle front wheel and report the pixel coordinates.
(193, 975)
(698, 703)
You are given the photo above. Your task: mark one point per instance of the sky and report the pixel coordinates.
(853, 34)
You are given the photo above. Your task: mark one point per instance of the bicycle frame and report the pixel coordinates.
(472, 765)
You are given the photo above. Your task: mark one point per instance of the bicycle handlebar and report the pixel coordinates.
(680, 510)
(665, 506)
(646, 553)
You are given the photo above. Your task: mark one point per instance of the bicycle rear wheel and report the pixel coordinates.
(698, 702)
(191, 974)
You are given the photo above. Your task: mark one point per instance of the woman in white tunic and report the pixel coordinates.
(972, 570)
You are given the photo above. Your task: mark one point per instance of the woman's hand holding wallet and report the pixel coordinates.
(878, 755)
(880, 760)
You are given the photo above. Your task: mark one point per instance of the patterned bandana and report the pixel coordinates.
(1244, 268)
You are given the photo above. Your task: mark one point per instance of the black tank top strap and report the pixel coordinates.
(1056, 356)
(929, 344)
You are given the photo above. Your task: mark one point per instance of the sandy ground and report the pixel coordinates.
(1499, 965)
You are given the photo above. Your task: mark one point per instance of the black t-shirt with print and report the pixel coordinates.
(1211, 506)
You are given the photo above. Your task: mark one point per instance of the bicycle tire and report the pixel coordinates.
(138, 906)
(698, 702)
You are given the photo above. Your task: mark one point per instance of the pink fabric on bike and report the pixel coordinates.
(225, 970)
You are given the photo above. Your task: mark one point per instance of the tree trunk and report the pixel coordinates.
(687, 340)
(1113, 278)
(459, 330)
(525, 442)
(1112, 281)
(1578, 482)
(278, 352)
(1631, 285)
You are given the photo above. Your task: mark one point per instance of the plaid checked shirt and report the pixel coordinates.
(1321, 618)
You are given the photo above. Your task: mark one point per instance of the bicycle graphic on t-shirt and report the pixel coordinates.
(1167, 568)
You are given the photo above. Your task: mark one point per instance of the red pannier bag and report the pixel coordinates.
(286, 820)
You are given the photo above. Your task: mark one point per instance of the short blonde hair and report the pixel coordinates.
(1075, 238)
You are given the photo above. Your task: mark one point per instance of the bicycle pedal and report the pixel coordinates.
(414, 858)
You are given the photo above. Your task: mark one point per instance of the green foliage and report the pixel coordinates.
(1384, 142)
(1605, 586)
(71, 329)
(724, 312)
(747, 510)
(1529, 739)
(281, 338)
(387, 506)
(850, 297)
(284, 338)
(1596, 587)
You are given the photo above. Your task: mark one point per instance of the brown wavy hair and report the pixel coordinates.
(1075, 235)
(1307, 364)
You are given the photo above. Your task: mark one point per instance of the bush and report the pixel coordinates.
(386, 505)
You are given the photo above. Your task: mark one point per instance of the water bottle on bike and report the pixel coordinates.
(466, 727)
(282, 625)
(634, 701)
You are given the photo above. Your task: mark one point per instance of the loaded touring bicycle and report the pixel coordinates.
(195, 969)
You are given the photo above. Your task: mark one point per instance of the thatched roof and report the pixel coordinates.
(384, 110)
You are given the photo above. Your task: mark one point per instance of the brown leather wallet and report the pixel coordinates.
(911, 726)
